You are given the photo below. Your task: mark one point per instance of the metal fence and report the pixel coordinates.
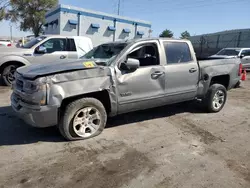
(209, 44)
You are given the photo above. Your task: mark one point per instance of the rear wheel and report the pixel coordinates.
(84, 118)
(216, 98)
(7, 75)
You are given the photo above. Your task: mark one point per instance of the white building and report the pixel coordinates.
(100, 27)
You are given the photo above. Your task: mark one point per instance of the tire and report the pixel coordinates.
(7, 74)
(77, 118)
(210, 100)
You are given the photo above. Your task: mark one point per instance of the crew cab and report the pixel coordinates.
(45, 48)
(116, 78)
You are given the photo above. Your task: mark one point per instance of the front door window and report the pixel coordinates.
(54, 45)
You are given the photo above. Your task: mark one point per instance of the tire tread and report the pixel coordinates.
(209, 97)
(64, 121)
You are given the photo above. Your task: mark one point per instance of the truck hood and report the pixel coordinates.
(43, 69)
(13, 50)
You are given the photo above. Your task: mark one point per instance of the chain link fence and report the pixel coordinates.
(209, 44)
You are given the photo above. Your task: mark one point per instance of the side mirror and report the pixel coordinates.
(241, 56)
(41, 50)
(130, 65)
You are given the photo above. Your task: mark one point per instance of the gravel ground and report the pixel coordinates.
(175, 146)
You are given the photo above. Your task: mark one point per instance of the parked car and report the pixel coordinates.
(43, 49)
(242, 53)
(116, 78)
(5, 43)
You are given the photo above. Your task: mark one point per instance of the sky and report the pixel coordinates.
(195, 16)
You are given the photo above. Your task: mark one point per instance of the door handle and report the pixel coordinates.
(62, 56)
(156, 74)
(192, 70)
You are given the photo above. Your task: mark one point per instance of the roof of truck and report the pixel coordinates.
(157, 38)
(146, 39)
(64, 36)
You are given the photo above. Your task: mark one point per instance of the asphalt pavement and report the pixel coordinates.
(177, 146)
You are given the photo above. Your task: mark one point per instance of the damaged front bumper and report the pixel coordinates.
(33, 114)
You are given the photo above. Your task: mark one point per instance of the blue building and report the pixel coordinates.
(100, 27)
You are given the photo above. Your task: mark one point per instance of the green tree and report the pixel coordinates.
(3, 5)
(167, 33)
(30, 13)
(185, 35)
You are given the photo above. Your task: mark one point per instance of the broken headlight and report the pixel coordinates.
(38, 91)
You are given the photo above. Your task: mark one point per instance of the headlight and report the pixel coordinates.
(30, 87)
(37, 90)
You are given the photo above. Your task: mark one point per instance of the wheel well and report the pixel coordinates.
(10, 63)
(223, 80)
(102, 96)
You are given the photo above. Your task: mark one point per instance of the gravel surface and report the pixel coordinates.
(176, 146)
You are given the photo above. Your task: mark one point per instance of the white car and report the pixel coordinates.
(5, 43)
(242, 53)
(43, 49)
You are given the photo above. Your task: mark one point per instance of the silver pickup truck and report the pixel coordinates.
(45, 48)
(116, 78)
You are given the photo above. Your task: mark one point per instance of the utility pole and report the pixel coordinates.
(10, 31)
(149, 33)
(119, 4)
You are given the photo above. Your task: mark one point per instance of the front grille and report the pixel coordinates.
(15, 101)
(19, 84)
(29, 102)
(18, 102)
(16, 98)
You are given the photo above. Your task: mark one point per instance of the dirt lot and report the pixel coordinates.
(175, 146)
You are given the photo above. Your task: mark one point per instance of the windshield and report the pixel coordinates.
(228, 52)
(33, 42)
(105, 51)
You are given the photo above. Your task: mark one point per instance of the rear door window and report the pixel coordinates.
(71, 46)
(177, 52)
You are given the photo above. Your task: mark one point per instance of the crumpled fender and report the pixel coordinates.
(70, 84)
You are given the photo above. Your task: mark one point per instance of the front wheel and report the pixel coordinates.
(8, 74)
(84, 118)
(216, 98)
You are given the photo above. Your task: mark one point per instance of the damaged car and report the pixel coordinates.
(116, 78)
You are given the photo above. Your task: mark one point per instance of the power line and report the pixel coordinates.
(190, 5)
(119, 4)
(167, 2)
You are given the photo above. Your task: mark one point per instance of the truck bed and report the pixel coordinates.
(205, 62)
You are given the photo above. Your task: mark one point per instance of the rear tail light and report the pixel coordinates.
(240, 69)
(9, 44)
